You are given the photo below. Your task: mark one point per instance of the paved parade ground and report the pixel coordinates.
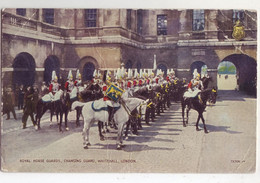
(165, 146)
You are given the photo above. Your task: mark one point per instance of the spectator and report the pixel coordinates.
(20, 97)
(29, 106)
(8, 103)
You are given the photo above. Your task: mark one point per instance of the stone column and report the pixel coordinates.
(183, 33)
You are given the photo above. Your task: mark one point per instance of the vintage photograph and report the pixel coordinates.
(128, 90)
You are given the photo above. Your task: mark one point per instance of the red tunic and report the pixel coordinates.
(157, 80)
(134, 83)
(140, 82)
(189, 85)
(129, 84)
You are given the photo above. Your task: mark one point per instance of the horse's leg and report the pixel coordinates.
(134, 124)
(187, 114)
(66, 119)
(147, 115)
(100, 124)
(183, 109)
(119, 142)
(61, 114)
(205, 129)
(127, 128)
(87, 124)
(197, 124)
(78, 111)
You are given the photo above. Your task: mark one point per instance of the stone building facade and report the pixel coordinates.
(37, 41)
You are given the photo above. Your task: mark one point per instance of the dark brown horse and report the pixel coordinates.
(58, 107)
(194, 103)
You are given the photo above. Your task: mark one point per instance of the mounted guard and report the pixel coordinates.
(194, 88)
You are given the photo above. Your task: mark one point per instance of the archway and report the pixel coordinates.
(24, 70)
(163, 68)
(87, 66)
(51, 63)
(246, 72)
(197, 65)
(138, 66)
(227, 78)
(88, 71)
(129, 64)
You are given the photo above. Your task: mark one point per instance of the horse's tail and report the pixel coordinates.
(77, 104)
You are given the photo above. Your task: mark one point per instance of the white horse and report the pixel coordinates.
(121, 116)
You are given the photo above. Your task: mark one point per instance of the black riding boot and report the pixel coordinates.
(110, 115)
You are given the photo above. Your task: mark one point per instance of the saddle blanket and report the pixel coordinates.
(49, 96)
(100, 105)
(189, 94)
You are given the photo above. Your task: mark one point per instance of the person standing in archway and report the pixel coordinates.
(20, 97)
(237, 87)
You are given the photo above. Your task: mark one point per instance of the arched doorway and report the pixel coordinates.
(200, 66)
(24, 70)
(163, 68)
(227, 78)
(88, 71)
(246, 72)
(138, 66)
(51, 63)
(129, 64)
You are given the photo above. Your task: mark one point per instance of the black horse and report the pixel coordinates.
(58, 107)
(205, 81)
(194, 103)
(91, 93)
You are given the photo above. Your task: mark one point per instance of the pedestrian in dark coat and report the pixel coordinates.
(20, 97)
(28, 107)
(8, 103)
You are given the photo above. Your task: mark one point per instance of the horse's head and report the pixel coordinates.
(213, 96)
(65, 97)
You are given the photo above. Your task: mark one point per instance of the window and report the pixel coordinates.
(91, 17)
(238, 15)
(139, 21)
(128, 19)
(48, 16)
(21, 11)
(198, 22)
(161, 24)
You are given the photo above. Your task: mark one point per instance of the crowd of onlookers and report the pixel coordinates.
(24, 98)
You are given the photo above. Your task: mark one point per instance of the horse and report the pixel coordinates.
(90, 93)
(205, 81)
(59, 107)
(194, 103)
(121, 116)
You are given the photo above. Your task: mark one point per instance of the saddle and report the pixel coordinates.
(99, 105)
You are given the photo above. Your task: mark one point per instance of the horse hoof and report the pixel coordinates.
(85, 147)
(119, 147)
(102, 138)
(67, 129)
(206, 131)
(36, 127)
(88, 144)
(107, 131)
(197, 129)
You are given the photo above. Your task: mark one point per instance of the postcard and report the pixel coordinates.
(128, 90)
